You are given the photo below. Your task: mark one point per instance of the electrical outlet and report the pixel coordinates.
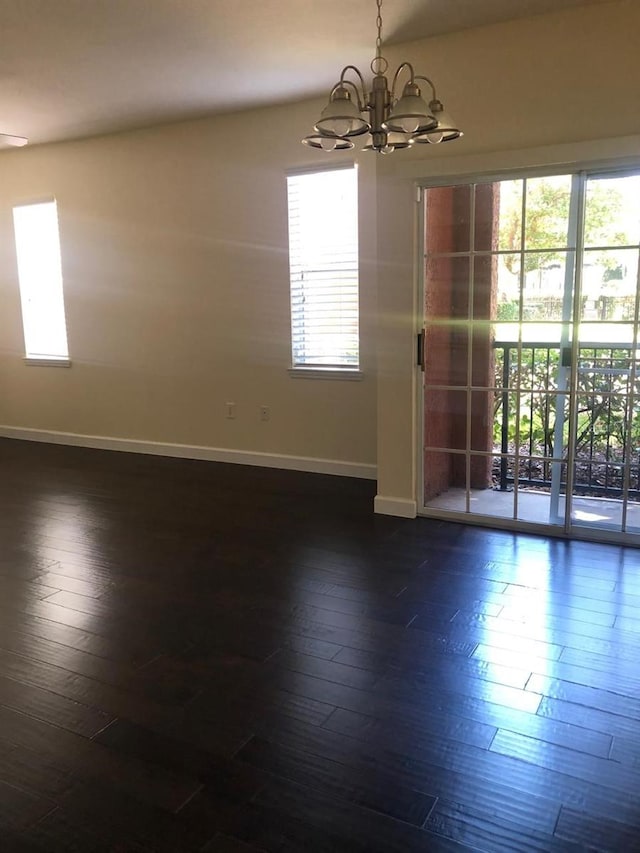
(231, 410)
(265, 413)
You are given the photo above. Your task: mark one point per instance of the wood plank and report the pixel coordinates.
(378, 792)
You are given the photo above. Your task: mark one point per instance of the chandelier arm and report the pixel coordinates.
(399, 71)
(433, 88)
(345, 82)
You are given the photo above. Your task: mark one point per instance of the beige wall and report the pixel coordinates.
(174, 247)
(175, 264)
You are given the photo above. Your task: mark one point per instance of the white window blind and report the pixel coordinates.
(40, 277)
(323, 264)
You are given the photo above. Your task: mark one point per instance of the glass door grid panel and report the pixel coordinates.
(506, 353)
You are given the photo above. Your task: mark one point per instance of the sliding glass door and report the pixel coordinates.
(530, 404)
(605, 483)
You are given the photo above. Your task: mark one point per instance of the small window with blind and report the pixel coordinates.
(40, 279)
(323, 265)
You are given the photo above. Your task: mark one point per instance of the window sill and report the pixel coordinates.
(33, 361)
(325, 373)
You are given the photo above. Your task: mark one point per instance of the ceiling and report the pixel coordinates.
(73, 68)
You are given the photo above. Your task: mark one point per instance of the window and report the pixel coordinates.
(40, 277)
(323, 264)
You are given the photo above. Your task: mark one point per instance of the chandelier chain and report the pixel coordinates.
(379, 26)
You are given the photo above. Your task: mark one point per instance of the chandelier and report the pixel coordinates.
(393, 123)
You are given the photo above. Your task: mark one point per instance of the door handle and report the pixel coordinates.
(421, 350)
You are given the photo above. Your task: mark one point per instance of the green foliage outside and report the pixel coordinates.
(547, 221)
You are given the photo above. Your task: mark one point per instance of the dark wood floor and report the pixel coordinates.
(211, 657)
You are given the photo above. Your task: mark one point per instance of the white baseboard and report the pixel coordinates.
(395, 506)
(188, 451)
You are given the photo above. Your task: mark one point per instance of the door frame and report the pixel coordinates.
(581, 173)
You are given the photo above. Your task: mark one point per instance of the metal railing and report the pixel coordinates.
(531, 410)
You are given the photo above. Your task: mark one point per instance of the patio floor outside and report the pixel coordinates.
(534, 506)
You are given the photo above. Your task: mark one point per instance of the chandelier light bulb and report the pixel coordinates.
(435, 137)
(328, 143)
(409, 125)
(324, 142)
(342, 126)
